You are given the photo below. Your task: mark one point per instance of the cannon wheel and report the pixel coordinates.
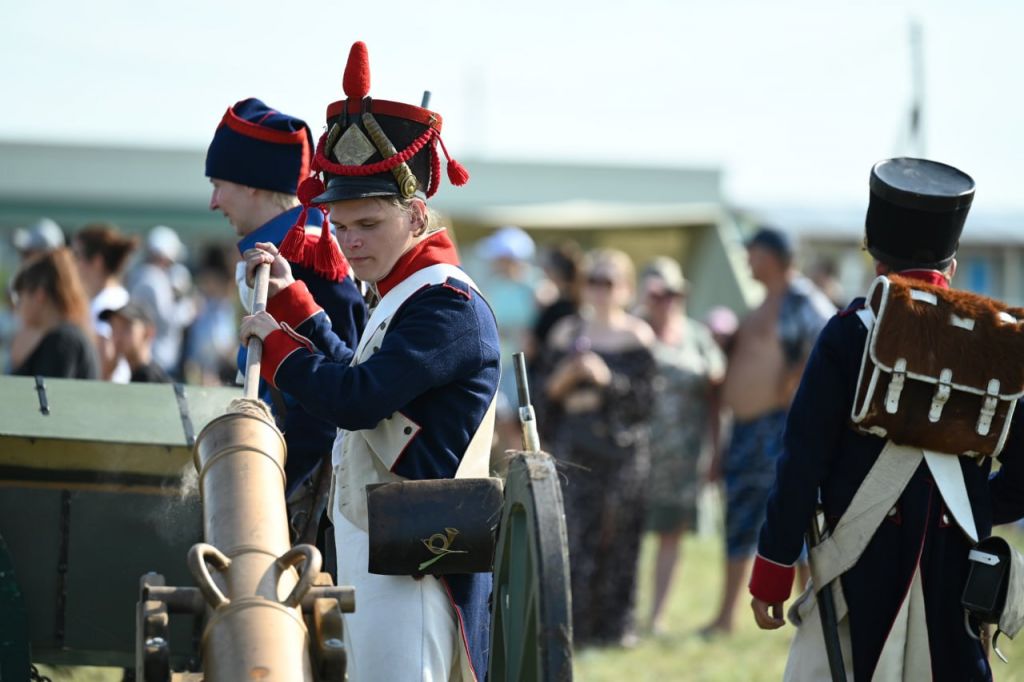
(531, 622)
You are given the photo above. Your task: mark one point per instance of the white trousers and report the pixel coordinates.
(403, 630)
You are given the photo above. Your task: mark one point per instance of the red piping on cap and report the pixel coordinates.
(382, 166)
(387, 108)
(240, 125)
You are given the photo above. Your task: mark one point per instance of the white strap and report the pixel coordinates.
(949, 478)
(476, 461)
(867, 317)
(393, 300)
(876, 495)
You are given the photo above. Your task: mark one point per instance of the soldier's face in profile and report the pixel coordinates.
(373, 234)
(234, 201)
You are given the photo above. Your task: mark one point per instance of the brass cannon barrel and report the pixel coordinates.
(256, 629)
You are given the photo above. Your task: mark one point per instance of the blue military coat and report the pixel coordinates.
(438, 365)
(823, 452)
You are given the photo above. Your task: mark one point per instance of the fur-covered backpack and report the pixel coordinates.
(942, 369)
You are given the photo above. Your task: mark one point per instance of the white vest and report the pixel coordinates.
(366, 456)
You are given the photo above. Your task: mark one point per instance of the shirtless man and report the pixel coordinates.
(770, 349)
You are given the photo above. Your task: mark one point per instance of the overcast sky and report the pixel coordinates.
(793, 100)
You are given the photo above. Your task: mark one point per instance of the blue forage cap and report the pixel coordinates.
(260, 147)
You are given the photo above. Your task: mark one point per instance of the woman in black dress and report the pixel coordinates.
(52, 307)
(598, 403)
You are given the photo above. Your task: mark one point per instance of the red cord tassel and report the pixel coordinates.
(327, 259)
(293, 247)
(457, 173)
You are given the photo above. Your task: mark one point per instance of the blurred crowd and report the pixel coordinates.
(644, 406)
(102, 304)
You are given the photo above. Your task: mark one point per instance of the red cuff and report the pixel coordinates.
(771, 582)
(293, 304)
(278, 345)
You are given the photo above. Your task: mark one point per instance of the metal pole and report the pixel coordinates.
(827, 610)
(527, 417)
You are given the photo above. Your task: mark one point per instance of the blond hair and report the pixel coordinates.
(617, 259)
(282, 200)
(431, 219)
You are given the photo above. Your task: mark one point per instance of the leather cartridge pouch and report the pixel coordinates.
(433, 527)
(994, 591)
(987, 580)
(941, 369)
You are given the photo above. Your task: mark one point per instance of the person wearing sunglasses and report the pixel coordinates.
(685, 422)
(597, 406)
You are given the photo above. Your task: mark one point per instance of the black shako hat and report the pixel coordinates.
(916, 212)
(372, 148)
(375, 147)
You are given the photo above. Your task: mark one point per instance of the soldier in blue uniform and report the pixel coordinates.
(415, 398)
(898, 604)
(255, 163)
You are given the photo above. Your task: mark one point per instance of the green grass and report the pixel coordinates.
(748, 655)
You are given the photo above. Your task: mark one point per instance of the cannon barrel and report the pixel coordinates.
(255, 629)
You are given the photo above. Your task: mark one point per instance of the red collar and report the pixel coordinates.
(927, 276)
(437, 248)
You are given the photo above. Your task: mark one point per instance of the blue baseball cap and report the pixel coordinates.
(772, 239)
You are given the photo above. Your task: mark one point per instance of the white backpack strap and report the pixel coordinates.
(867, 317)
(876, 495)
(949, 478)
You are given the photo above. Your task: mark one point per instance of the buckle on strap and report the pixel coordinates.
(892, 395)
(988, 408)
(941, 395)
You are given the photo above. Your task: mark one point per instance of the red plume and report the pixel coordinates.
(357, 72)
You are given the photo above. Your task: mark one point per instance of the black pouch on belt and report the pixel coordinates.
(995, 587)
(434, 527)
